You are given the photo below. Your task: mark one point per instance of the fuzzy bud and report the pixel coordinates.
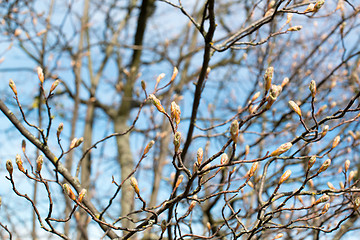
(161, 76)
(39, 163)
(255, 96)
(331, 186)
(148, 147)
(59, 130)
(177, 140)
(295, 107)
(284, 82)
(285, 176)
(224, 159)
(54, 85)
(175, 113)
(69, 192)
(82, 195)
(199, 156)
(347, 165)
(234, 130)
(335, 142)
(280, 150)
(294, 28)
(134, 184)
(19, 163)
(268, 78)
(13, 86)
(40, 74)
(312, 88)
(253, 168)
(9, 167)
(311, 161)
(175, 73)
(156, 102)
(322, 199)
(324, 166)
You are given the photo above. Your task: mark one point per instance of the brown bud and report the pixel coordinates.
(268, 78)
(39, 163)
(13, 86)
(134, 184)
(335, 142)
(322, 199)
(40, 74)
(9, 167)
(82, 195)
(143, 85)
(234, 130)
(295, 107)
(280, 150)
(19, 163)
(149, 146)
(163, 226)
(69, 192)
(324, 166)
(23, 146)
(156, 102)
(285, 176)
(59, 130)
(311, 161)
(199, 156)
(177, 140)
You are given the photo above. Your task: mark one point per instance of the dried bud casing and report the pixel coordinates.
(347, 165)
(234, 130)
(285, 176)
(9, 167)
(59, 130)
(156, 102)
(39, 163)
(40, 74)
(311, 161)
(335, 142)
(177, 140)
(322, 199)
(54, 85)
(19, 163)
(69, 192)
(295, 107)
(134, 184)
(268, 78)
(312, 88)
(199, 156)
(253, 168)
(148, 147)
(13, 86)
(175, 112)
(324, 166)
(82, 195)
(163, 226)
(280, 150)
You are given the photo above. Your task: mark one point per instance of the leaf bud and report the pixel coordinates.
(23, 146)
(54, 85)
(351, 175)
(311, 161)
(9, 167)
(199, 156)
(268, 78)
(347, 165)
(13, 86)
(278, 236)
(69, 192)
(163, 226)
(59, 130)
(177, 140)
(156, 102)
(19, 163)
(294, 28)
(312, 88)
(192, 205)
(39, 163)
(335, 142)
(295, 108)
(40, 74)
(143, 85)
(322, 199)
(325, 208)
(234, 130)
(175, 113)
(175, 73)
(134, 184)
(179, 181)
(324, 131)
(280, 150)
(253, 168)
(318, 5)
(148, 147)
(224, 159)
(324, 166)
(82, 195)
(161, 76)
(285, 176)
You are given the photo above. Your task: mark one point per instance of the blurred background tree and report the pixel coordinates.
(115, 75)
